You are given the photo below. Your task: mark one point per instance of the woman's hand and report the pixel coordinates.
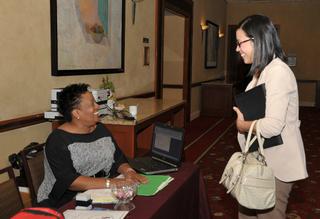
(135, 177)
(242, 125)
(131, 174)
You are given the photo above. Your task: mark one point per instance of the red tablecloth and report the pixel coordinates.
(185, 197)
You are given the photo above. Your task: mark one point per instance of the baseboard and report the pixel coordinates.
(307, 103)
(194, 115)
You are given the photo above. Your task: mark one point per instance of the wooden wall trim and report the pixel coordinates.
(173, 86)
(16, 123)
(198, 84)
(143, 95)
(20, 122)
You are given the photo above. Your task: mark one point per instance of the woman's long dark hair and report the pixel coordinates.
(266, 41)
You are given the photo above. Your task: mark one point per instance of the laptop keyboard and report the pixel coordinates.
(156, 165)
(152, 164)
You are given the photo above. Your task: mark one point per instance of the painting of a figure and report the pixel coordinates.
(88, 37)
(93, 15)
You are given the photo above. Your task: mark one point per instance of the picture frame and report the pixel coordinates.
(87, 37)
(211, 45)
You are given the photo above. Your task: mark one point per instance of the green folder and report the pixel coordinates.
(154, 185)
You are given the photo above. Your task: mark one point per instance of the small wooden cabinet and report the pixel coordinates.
(217, 99)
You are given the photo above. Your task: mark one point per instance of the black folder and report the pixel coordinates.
(252, 104)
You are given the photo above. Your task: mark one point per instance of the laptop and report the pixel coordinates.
(166, 151)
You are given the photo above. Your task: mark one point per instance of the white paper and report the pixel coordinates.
(164, 184)
(103, 196)
(92, 214)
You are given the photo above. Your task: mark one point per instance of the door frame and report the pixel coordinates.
(182, 8)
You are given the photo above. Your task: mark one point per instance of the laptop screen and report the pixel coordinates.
(167, 142)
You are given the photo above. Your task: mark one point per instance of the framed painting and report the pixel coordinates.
(87, 36)
(211, 45)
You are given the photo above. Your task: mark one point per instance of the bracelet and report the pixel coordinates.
(108, 183)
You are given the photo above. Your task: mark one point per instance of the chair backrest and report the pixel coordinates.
(32, 159)
(10, 199)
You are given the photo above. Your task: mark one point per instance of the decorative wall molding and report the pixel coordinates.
(16, 123)
(21, 122)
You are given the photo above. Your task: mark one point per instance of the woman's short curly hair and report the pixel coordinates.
(69, 99)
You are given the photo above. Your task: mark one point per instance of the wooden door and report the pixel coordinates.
(182, 8)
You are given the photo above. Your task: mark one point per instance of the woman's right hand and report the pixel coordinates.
(240, 119)
(242, 125)
(120, 181)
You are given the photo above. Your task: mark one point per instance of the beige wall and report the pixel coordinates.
(25, 66)
(215, 11)
(172, 94)
(173, 53)
(173, 50)
(299, 34)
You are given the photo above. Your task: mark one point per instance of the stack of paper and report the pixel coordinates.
(103, 196)
(89, 214)
(154, 185)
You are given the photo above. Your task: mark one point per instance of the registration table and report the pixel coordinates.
(184, 197)
(135, 136)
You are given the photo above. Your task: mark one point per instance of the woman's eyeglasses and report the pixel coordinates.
(244, 41)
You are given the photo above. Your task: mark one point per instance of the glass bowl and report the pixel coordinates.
(124, 192)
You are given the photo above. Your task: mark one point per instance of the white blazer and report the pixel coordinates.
(288, 160)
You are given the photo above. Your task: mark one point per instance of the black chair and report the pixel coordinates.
(32, 160)
(10, 199)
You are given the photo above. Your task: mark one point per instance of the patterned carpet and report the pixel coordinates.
(213, 149)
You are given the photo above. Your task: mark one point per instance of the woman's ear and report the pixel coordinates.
(75, 113)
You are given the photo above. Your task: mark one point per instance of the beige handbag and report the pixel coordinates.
(247, 176)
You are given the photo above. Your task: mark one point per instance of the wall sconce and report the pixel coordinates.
(204, 27)
(221, 34)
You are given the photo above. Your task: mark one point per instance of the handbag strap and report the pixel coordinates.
(250, 141)
(257, 137)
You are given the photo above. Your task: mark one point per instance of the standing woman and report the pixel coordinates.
(258, 44)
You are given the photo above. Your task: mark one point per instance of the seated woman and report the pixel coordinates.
(81, 154)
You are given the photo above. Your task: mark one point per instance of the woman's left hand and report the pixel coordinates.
(240, 122)
(135, 177)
